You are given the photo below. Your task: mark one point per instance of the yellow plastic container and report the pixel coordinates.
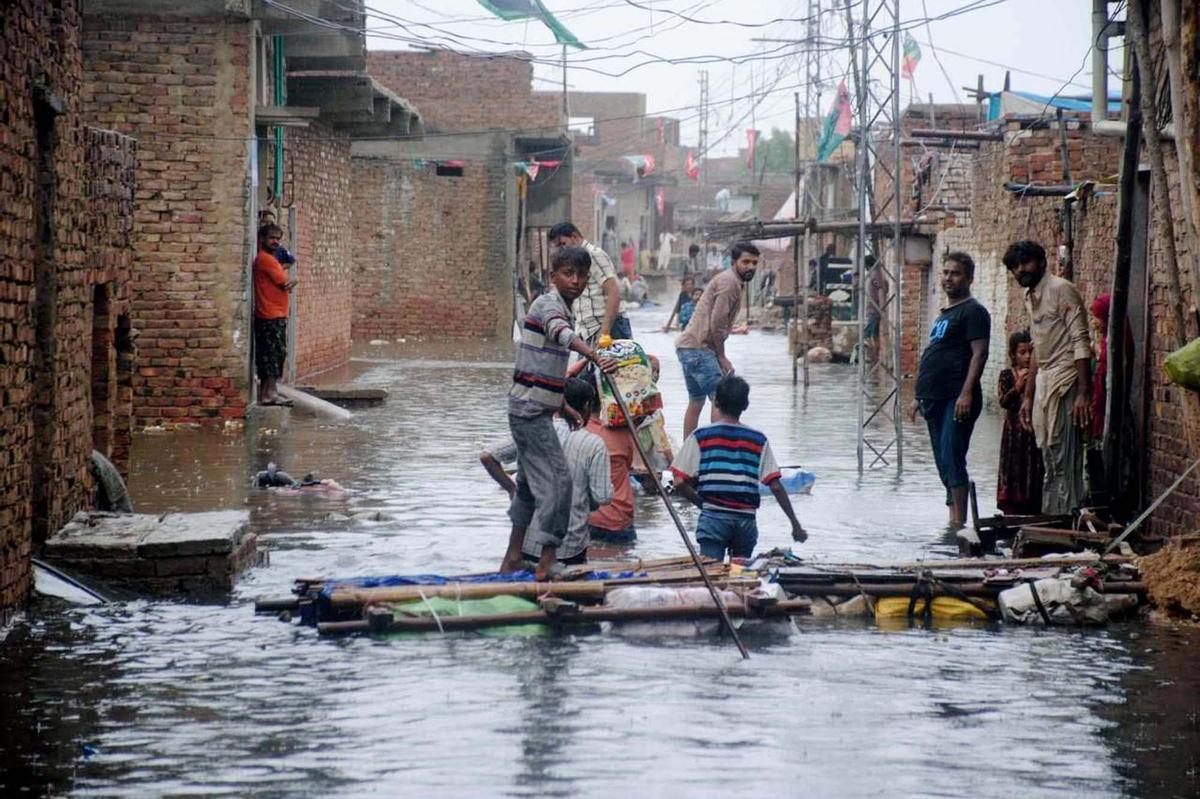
(944, 607)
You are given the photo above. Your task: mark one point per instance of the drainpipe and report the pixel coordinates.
(1099, 60)
(277, 49)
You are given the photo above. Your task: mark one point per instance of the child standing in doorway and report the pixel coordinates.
(1019, 491)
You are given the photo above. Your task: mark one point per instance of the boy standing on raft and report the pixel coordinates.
(539, 376)
(719, 469)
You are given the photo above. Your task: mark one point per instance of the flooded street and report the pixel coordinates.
(161, 698)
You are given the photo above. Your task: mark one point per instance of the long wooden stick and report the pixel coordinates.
(658, 486)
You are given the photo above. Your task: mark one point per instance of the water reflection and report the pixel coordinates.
(184, 698)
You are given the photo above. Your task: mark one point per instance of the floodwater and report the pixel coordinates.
(165, 698)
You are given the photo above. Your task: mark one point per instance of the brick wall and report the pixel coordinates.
(459, 92)
(112, 161)
(318, 160)
(180, 86)
(435, 254)
(60, 229)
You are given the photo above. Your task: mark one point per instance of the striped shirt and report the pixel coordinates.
(590, 306)
(727, 461)
(541, 368)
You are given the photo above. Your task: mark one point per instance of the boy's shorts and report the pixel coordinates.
(717, 532)
(701, 372)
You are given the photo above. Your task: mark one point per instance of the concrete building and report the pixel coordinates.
(236, 106)
(66, 343)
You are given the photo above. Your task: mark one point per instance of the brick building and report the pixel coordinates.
(66, 348)
(449, 218)
(230, 118)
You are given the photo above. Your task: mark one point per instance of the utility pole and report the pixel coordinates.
(566, 103)
(876, 55)
(703, 148)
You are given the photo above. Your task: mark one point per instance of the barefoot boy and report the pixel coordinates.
(719, 468)
(543, 478)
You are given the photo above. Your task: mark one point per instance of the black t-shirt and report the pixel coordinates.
(947, 356)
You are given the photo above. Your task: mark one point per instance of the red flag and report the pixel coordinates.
(690, 167)
(660, 200)
(751, 140)
(662, 134)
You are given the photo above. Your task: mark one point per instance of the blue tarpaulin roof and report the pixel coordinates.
(1026, 103)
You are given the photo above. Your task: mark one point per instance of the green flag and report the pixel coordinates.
(837, 124)
(532, 9)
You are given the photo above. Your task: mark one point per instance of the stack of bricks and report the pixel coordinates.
(49, 199)
(181, 87)
(326, 261)
(461, 92)
(432, 250)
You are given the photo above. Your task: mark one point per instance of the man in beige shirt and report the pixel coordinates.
(701, 346)
(1057, 402)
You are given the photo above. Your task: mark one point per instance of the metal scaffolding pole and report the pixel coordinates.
(876, 48)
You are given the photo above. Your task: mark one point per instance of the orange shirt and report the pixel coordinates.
(617, 515)
(270, 298)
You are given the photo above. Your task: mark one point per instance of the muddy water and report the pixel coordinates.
(162, 698)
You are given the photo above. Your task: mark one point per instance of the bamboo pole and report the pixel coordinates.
(1185, 96)
(965, 563)
(583, 615)
(979, 589)
(1136, 25)
(585, 591)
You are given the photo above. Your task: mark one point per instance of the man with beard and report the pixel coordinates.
(1057, 402)
(948, 393)
(701, 346)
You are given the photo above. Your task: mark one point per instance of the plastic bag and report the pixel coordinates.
(634, 378)
(1183, 366)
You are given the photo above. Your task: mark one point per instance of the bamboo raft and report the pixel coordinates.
(579, 597)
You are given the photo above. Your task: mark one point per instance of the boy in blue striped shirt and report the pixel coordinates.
(719, 469)
(539, 376)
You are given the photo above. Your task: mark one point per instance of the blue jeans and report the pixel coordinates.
(950, 439)
(701, 372)
(717, 532)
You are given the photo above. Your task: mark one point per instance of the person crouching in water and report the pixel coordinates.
(543, 495)
(588, 463)
(719, 468)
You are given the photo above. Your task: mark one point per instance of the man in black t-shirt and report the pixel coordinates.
(948, 392)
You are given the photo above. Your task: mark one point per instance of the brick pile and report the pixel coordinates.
(319, 176)
(432, 250)
(181, 87)
(61, 230)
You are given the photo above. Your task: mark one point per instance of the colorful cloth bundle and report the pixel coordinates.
(634, 378)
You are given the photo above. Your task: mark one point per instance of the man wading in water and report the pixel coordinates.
(949, 396)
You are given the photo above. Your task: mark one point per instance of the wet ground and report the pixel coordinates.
(163, 698)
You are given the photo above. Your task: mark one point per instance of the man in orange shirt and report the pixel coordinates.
(271, 289)
(613, 523)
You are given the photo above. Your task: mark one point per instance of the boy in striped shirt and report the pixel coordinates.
(719, 469)
(548, 336)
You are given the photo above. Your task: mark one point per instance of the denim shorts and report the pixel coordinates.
(605, 536)
(701, 372)
(717, 532)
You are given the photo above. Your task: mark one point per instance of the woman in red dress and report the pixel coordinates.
(1021, 471)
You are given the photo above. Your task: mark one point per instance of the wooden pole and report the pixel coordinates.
(658, 486)
(796, 247)
(1179, 29)
(591, 590)
(1136, 26)
(1114, 401)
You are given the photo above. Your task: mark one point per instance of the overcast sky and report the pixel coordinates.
(1046, 37)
